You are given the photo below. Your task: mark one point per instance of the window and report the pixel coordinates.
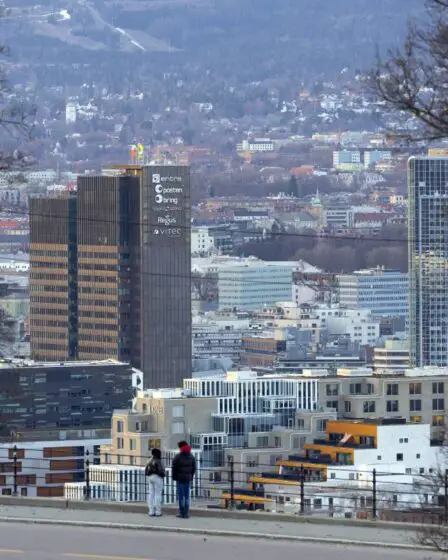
(408, 471)
(422, 470)
(392, 406)
(417, 456)
(6, 492)
(392, 389)
(416, 419)
(277, 441)
(178, 427)
(379, 458)
(438, 404)
(132, 460)
(415, 405)
(120, 426)
(138, 427)
(348, 406)
(438, 388)
(120, 443)
(369, 406)
(333, 475)
(322, 425)
(332, 404)
(154, 443)
(317, 503)
(399, 456)
(351, 476)
(178, 411)
(252, 461)
(438, 420)
(263, 441)
(415, 388)
(355, 388)
(132, 445)
(332, 390)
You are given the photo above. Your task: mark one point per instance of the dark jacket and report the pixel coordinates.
(155, 466)
(184, 466)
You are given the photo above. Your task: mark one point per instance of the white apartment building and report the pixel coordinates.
(252, 283)
(70, 113)
(213, 336)
(256, 145)
(339, 469)
(201, 240)
(357, 323)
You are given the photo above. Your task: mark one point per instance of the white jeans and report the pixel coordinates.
(155, 488)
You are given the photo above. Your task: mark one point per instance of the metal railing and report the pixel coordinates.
(344, 492)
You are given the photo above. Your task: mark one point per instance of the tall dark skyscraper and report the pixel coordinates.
(128, 296)
(428, 254)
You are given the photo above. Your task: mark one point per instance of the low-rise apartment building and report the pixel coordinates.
(44, 467)
(357, 462)
(420, 395)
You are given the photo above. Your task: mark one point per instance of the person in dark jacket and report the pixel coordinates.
(183, 471)
(156, 473)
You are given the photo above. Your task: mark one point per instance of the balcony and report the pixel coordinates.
(344, 445)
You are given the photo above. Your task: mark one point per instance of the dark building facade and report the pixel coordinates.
(81, 271)
(129, 293)
(53, 270)
(62, 396)
(161, 300)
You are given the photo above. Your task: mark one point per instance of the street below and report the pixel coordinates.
(42, 542)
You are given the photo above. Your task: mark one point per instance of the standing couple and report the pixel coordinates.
(183, 469)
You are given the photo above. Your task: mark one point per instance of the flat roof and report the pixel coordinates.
(14, 363)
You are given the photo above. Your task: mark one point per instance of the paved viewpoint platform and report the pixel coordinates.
(252, 525)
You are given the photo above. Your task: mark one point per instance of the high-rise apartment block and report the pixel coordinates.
(428, 252)
(110, 272)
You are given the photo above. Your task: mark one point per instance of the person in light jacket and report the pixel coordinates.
(156, 473)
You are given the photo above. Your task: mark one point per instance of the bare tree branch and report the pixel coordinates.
(14, 125)
(414, 79)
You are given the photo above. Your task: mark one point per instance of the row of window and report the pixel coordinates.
(392, 389)
(369, 407)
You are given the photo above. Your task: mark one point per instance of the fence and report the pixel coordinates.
(304, 490)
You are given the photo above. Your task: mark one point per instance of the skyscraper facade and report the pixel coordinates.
(428, 254)
(129, 294)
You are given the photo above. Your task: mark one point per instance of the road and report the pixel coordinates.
(42, 542)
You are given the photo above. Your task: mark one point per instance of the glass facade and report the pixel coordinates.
(384, 292)
(428, 251)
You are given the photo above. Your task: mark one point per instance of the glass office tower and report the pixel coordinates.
(428, 250)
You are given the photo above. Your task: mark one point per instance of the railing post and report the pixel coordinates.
(302, 490)
(445, 503)
(374, 505)
(14, 466)
(87, 470)
(232, 482)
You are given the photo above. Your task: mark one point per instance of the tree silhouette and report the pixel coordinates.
(12, 120)
(414, 78)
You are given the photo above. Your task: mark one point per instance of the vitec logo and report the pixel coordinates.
(155, 178)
